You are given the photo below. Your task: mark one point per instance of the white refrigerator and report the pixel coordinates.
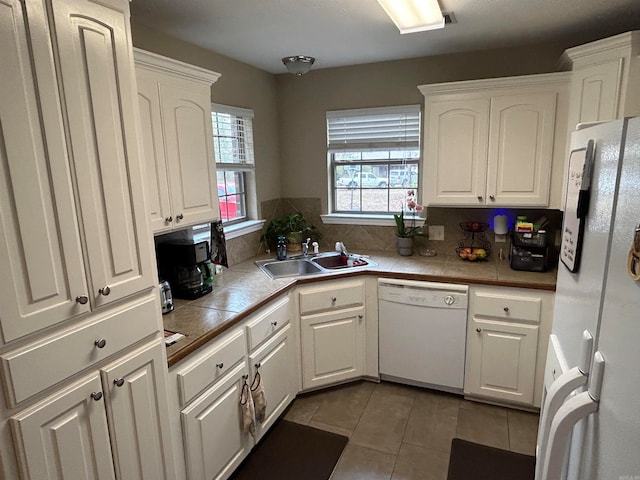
(591, 429)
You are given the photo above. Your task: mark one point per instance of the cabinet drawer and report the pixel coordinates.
(64, 354)
(211, 365)
(345, 294)
(268, 322)
(507, 307)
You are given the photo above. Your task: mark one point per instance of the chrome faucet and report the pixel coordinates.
(305, 248)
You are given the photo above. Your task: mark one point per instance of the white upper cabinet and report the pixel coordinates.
(604, 82)
(40, 251)
(458, 136)
(98, 84)
(495, 142)
(603, 75)
(177, 137)
(521, 148)
(73, 233)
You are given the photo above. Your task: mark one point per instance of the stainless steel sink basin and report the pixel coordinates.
(289, 268)
(312, 265)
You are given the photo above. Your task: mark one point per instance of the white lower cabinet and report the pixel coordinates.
(135, 390)
(275, 361)
(207, 386)
(503, 362)
(507, 335)
(66, 435)
(214, 442)
(114, 428)
(333, 345)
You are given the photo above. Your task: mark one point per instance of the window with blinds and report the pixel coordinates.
(374, 158)
(233, 148)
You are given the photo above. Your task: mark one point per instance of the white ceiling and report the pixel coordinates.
(349, 32)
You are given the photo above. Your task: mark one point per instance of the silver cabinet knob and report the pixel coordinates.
(82, 299)
(100, 343)
(97, 396)
(274, 324)
(480, 197)
(105, 290)
(118, 382)
(506, 309)
(220, 365)
(168, 219)
(479, 330)
(492, 197)
(449, 300)
(179, 216)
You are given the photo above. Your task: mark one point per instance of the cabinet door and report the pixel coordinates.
(138, 412)
(595, 92)
(98, 80)
(154, 158)
(521, 149)
(457, 133)
(66, 435)
(501, 360)
(275, 362)
(214, 442)
(40, 252)
(189, 143)
(332, 347)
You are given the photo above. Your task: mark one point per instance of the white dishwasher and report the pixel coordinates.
(422, 333)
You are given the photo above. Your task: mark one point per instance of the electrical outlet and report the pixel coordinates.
(436, 232)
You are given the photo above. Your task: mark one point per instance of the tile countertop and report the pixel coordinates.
(243, 289)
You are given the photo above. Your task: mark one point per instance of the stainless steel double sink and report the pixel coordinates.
(299, 266)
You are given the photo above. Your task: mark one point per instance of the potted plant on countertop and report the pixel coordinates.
(294, 227)
(405, 234)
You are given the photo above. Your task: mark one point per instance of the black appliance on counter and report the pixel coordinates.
(181, 263)
(530, 251)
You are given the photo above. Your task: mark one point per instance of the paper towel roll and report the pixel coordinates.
(500, 225)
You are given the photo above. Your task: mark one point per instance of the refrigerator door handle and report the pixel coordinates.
(558, 393)
(574, 410)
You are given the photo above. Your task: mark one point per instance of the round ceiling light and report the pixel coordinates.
(298, 64)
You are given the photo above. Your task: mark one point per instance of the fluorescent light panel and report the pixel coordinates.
(414, 15)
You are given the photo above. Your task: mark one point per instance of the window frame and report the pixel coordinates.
(244, 164)
(391, 130)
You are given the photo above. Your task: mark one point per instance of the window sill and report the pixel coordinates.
(231, 231)
(243, 228)
(350, 219)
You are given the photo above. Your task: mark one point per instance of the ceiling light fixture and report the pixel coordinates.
(414, 15)
(298, 64)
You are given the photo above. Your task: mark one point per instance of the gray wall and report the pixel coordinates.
(303, 101)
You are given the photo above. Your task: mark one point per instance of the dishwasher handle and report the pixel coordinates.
(421, 285)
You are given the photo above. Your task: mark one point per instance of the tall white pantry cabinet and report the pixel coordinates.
(82, 362)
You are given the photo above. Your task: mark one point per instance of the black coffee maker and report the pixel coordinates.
(181, 263)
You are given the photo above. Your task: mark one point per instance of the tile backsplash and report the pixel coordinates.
(363, 238)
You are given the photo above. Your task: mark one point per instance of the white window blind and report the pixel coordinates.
(374, 128)
(233, 136)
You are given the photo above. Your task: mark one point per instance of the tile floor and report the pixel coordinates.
(398, 432)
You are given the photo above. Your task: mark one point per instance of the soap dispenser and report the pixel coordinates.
(281, 249)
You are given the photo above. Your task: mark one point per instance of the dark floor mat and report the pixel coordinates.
(293, 451)
(471, 461)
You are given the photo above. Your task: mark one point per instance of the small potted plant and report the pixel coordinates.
(405, 234)
(294, 227)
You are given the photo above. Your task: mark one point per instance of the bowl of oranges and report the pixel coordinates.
(472, 254)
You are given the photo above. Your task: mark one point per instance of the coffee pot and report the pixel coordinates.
(181, 262)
